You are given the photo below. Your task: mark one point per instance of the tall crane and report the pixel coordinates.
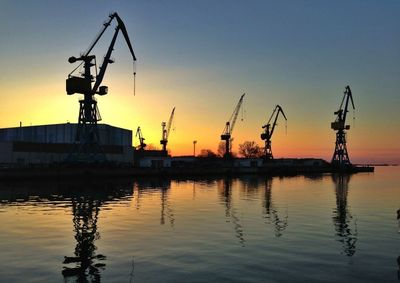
(87, 136)
(141, 139)
(340, 155)
(165, 128)
(268, 131)
(227, 132)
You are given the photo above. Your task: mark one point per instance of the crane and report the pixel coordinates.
(340, 155)
(227, 132)
(141, 139)
(165, 128)
(268, 131)
(87, 136)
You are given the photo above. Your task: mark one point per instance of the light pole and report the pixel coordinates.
(194, 148)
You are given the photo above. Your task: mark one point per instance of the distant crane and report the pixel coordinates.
(165, 128)
(340, 155)
(87, 136)
(227, 132)
(268, 131)
(139, 134)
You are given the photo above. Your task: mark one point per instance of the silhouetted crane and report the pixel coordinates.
(268, 131)
(340, 155)
(227, 132)
(87, 136)
(141, 139)
(165, 128)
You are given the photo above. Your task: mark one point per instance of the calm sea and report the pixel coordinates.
(321, 228)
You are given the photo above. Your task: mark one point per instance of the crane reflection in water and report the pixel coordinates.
(225, 192)
(342, 219)
(162, 186)
(86, 202)
(271, 213)
(85, 199)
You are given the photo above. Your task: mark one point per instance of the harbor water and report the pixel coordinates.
(318, 228)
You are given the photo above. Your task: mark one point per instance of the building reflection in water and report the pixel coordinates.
(271, 213)
(161, 186)
(225, 191)
(342, 218)
(86, 200)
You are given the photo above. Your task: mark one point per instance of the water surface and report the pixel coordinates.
(323, 228)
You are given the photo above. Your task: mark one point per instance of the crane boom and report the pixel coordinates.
(348, 95)
(278, 109)
(341, 114)
(171, 117)
(268, 132)
(74, 85)
(232, 120)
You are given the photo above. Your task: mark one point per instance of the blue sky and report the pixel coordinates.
(201, 55)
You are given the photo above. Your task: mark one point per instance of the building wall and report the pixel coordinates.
(64, 133)
(155, 162)
(52, 143)
(11, 155)
(248, 162)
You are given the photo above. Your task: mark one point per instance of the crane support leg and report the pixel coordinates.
(340, 155)
(227, 153)
(268, 151)
(87, 146)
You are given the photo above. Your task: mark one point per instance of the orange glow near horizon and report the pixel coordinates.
(202, 121)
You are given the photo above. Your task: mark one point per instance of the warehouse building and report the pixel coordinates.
(48, 144)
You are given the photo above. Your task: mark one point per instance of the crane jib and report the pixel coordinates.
(81, 84)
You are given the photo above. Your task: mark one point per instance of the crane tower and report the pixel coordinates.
(87, 141)
(268, 131)
(139, 134)
(165, 129)
(340, 155)
(227, 132)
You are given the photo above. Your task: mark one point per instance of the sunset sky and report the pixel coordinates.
(200, 56)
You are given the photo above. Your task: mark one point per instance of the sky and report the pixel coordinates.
(200, 56)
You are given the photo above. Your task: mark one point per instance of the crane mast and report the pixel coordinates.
(268, 131)
(87, 141)
(340, 155)
(165, 129)
(139, 134)
(227, 132)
